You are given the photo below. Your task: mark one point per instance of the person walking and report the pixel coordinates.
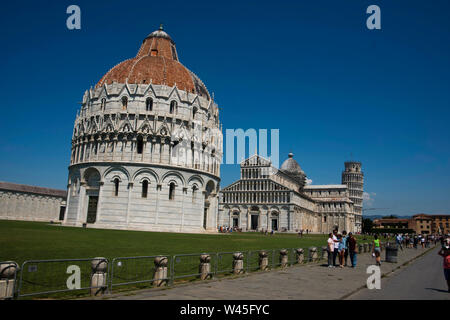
(377, 250)
(399, 241)
(445, 253)
(330, 250)
(352, 249)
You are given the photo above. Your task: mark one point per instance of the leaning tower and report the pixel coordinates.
(353, 177)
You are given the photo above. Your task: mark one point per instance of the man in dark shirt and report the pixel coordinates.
(352, 249)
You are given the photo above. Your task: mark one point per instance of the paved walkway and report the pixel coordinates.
(312, 281)
(423, 279)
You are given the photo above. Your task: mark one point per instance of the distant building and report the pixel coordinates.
(30, 203)
(440, 223)
(420, 223)
(392, 223)
(267, 198)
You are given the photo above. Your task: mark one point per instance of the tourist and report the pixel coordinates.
(336, 247)
(445, 253)
(352, 249)
(377, 250)
(330, 250)
(345, 241)
(341, 249)
(422, 241)
(399, 240)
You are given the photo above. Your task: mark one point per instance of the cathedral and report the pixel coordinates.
(146, 147)
(271, 199)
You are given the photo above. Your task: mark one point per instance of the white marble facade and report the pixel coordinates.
(145, 153)
(30, 203)
(267, 198)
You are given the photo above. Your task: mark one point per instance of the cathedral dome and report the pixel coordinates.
(291, 167)
(156, 63)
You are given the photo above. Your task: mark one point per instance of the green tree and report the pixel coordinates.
(367, 225)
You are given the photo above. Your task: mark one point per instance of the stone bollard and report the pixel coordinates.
(313, 254)
(160, 275)
(300, 256)
(205, 266)
(8, 272)
(370, 247)
(99, 267)
(360, 248)
(325, 253)
(263, 261)
(366, 247)
(284, 258)
(238, 263)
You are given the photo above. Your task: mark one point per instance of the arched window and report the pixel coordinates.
(149, 104)
(194, 192)
(144, 189)
(124, 103)
(172, 191)
(194, 112)
(103, 104)
(116, 187)
(173, 106)
(140, 145)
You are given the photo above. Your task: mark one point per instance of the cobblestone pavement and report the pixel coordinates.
(311, 281)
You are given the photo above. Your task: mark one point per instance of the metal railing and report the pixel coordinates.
(224, 262)
(187, 265)
(43, 277)
(39, 277)
(135, 270)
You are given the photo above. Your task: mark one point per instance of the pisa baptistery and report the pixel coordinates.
(146, 147)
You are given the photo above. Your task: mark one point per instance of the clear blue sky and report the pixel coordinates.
(309, 68)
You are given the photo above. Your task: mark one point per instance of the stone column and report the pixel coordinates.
(99, 203)
(8, 271)
(263, 261)
(205, 266)
(99, 267)
(130, 190)
(160, 275)
(238, 263)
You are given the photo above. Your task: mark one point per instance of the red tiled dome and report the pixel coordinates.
(156, 63)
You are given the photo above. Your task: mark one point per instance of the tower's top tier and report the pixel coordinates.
(353, 166)
(156, 62)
